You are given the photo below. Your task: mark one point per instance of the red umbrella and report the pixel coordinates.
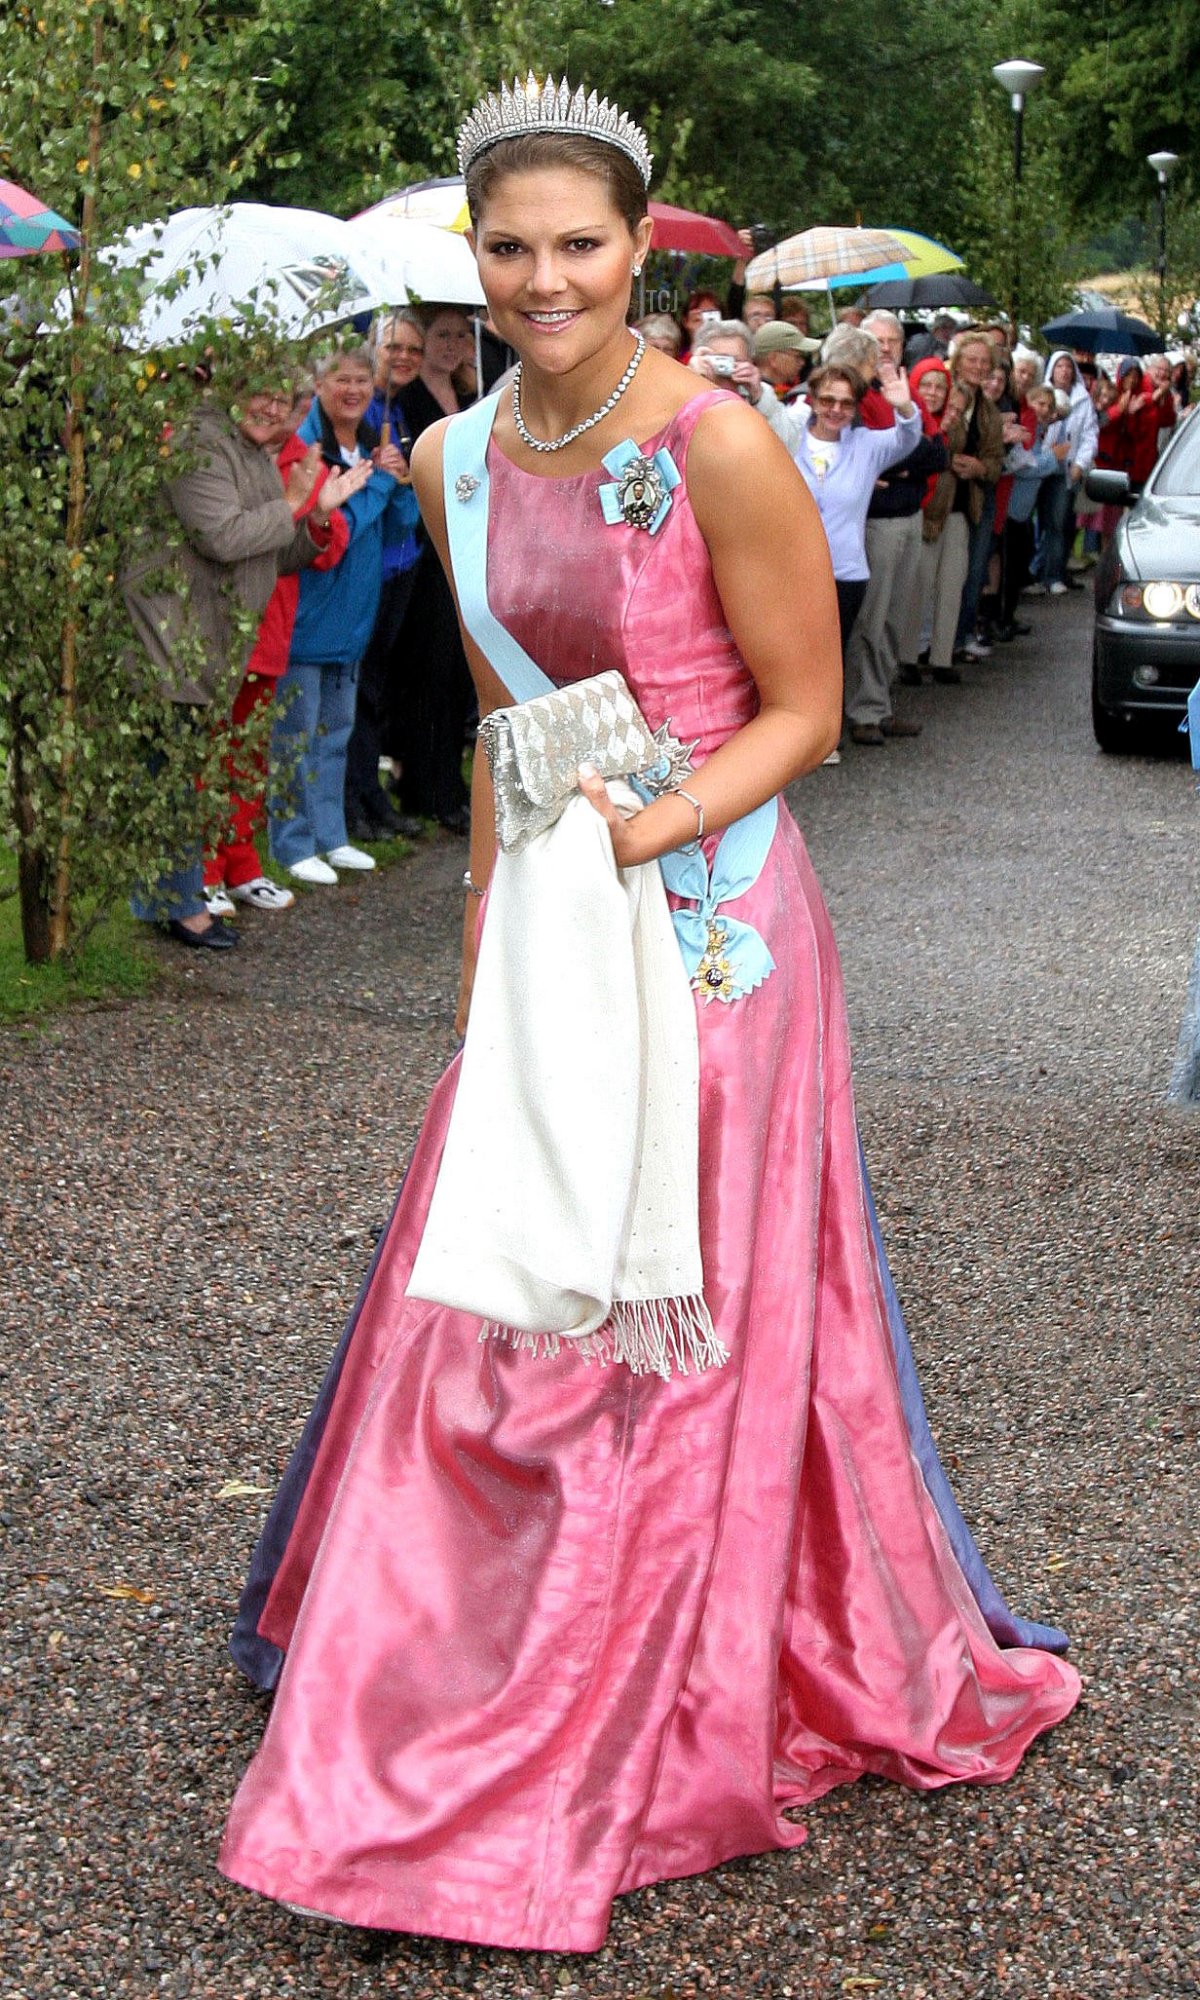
(703, 235)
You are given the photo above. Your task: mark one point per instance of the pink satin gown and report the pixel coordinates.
(548, 1630)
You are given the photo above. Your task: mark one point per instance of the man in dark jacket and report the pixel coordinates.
(893, 542)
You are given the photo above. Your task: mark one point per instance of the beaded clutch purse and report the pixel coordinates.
(535, 750)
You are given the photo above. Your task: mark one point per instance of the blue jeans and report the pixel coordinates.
(314, 719)
(1054, 505)
(979, 551)
(175, 891)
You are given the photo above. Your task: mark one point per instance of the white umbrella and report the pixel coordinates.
(443, 202)
(301, 269)
(418, 259)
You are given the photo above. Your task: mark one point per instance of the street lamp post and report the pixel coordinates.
(1164, 165)
(1017, 79)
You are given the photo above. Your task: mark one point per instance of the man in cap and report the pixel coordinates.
(782, 354)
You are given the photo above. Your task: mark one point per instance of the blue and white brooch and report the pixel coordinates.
(642, 487)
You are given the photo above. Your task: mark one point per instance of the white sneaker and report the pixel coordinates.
(217, 903)
(312, 869)
(263, 894)
(1058, 590)
(977, 649)
(349, 857)
(834, 757)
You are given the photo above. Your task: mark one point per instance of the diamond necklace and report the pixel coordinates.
(568, 437)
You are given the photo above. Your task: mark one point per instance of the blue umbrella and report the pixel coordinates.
(1102, 330)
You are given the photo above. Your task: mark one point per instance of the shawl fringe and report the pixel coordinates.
(651, 1336)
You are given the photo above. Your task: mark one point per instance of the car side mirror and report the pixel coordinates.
(1111, 489)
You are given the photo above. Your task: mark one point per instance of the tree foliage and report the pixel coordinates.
(114, 112)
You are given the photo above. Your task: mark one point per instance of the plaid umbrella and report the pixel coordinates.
(817, 255)
(27, 226)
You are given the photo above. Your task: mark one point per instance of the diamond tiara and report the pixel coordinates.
(529, 107)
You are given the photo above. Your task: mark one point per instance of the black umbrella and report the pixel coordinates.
(946, 289)
(1102, 330)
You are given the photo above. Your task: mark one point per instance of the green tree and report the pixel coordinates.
(1017, 242)
(114, 111)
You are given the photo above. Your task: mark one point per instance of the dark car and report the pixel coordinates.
(1146, 653)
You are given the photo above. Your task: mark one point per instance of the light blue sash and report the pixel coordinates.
(706, 940)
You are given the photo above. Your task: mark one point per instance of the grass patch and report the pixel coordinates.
(112, 963)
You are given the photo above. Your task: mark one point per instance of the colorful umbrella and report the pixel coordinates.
(923, 256)
(681, 229)
(27, 226)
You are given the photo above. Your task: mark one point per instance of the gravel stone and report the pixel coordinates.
(191, 1186)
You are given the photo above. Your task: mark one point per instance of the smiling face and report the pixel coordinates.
(344, 392)
(933, 390)
(402, 348)
(555, 257)
(1025, 375)
(973, 363)
(835, 404)
(266, 418)
(448, 342)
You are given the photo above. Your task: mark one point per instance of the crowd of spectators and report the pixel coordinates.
(947, 465)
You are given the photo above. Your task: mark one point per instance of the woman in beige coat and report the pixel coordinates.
(184, 594)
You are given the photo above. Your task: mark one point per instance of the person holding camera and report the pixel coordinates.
(721, 352)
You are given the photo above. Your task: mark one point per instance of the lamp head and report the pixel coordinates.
(1163, 164)
(1018, 79)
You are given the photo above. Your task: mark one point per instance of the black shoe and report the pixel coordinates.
(458, 821)
(218, 937)
(909, 675)
(868, 734)
(895, 727)
(923, 658)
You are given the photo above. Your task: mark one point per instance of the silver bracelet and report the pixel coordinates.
(470, 887)
(698, 809)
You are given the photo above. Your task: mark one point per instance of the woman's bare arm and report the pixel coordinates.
(772, 570)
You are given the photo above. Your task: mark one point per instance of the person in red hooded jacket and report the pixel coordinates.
(1129, 428)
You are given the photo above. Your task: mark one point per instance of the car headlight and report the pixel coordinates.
(1161, 601)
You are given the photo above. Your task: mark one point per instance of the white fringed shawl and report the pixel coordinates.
(566, 1206)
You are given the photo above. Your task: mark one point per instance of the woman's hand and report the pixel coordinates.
(625, 843)
(302, 477)
(390, 458)
(340, 486)
(894, 384)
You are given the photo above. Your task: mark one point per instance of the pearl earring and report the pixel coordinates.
(637, 270)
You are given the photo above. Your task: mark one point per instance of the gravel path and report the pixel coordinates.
(189, 1189)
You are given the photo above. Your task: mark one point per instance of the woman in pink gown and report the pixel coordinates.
(544, 1630)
